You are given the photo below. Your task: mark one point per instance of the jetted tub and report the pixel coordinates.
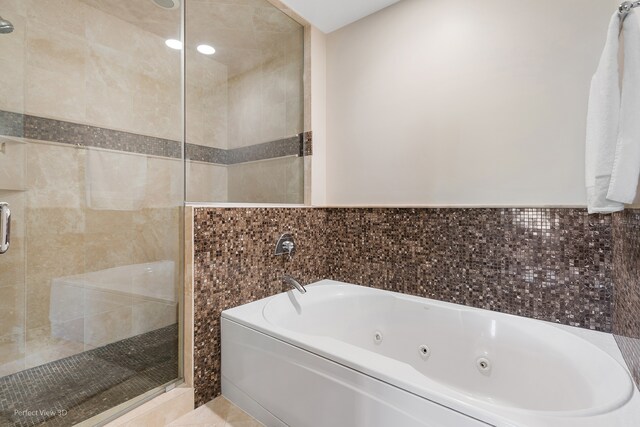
(346, 355)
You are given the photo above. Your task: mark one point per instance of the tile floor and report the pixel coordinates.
(217, 413)
(90, 382)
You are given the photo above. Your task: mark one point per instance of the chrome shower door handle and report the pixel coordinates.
(5, 227)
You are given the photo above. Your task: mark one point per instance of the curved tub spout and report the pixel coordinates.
(293, 283)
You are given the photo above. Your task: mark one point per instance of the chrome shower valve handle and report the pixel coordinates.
(286, 245)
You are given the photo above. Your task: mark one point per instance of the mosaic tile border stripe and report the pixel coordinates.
(268, 150)
(307, 143)
(11, 124)
(43, 129)
(206, 154)
(548, 264)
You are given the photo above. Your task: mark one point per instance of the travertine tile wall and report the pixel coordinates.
(266, 102)
(550, 264)
(70, 61)
(87, 66)
(82, 62)
(207, 182)
(206, 109)
(252, 95)
(13, 291)
(105, 65)
(55, 234)
(276, 113)
(268, 181)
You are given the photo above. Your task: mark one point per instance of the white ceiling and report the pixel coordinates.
(330, 15)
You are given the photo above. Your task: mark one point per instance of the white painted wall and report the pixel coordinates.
(439, 102)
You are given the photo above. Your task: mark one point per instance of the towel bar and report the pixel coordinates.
(626, 7)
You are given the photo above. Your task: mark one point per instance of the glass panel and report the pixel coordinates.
(91, 166)
(244, 103)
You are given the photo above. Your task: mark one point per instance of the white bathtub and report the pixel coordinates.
(345, 355)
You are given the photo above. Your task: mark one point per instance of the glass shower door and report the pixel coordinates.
(13, 155)
(91, 169)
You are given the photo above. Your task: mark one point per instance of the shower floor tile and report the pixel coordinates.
(70, 390)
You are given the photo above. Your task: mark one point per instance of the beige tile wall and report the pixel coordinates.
(206, 101)
(12, 291)
(64, 237)
(206, 182)
(54, 235)
(87, 66)
(79, 61)
(267, 181)
(70, 61)
(257, 97)
(12, 57)
(266, 102)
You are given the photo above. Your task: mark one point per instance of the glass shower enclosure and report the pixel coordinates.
(91, 171)
(244, 103)
(105, 108)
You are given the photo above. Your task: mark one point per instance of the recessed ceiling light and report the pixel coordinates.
(205, 49)
(174, 44)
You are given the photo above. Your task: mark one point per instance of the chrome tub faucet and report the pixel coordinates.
(293, 283)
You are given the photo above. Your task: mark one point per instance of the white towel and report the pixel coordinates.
(626, 164)
(602, 125)
(115, 181)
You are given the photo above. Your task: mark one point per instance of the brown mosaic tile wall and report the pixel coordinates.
(626, 277)
(626, 273)
(630, 349)
(234, 264)
(550, 264)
